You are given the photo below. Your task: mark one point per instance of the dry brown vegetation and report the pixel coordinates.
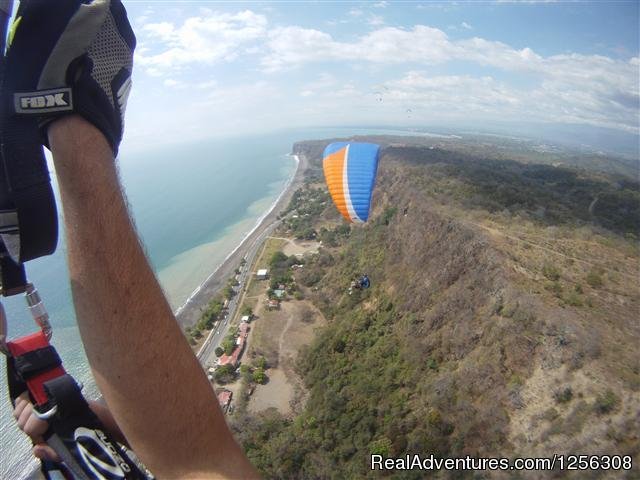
(502, 321)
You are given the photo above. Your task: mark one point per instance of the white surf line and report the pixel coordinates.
(244, 239)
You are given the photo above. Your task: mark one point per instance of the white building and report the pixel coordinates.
(262, 274)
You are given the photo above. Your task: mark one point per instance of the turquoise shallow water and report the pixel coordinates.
(192, 205)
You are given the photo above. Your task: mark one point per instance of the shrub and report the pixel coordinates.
(574, 300)
(563, 395)
(432, 364)
(277, 258)
(382, 446)
(554, 287)
(259, 376)
(551, 272)
(605, 402)
(594, 278)
(225, 374)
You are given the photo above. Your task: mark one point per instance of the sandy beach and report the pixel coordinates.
(190, 312)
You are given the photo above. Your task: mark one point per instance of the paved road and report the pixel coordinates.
(207, 355)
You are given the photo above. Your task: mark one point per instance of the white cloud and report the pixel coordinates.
(591, 87)
(207, 39)
(207, 84)
(478, 97)
(382, 4)
(172, 83)
(588, 89)
(376, 20)
(355, 12)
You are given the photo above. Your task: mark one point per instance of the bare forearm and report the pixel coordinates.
(147, 373)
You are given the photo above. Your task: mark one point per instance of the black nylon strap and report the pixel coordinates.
(12, 275)
(36, 361)
(80, 439)
(25, 177)
(16, 385)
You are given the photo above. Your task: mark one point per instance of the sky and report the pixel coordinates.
(205, 69)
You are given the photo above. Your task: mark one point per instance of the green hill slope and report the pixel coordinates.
(502, 320)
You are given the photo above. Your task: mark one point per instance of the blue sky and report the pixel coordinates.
(213, 68)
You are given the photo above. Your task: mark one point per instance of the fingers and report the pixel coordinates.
(45, 452)
(22, 410)
(34, 428)
(27, 422)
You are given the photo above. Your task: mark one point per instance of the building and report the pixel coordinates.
(244, 331)
(224, 398)
(279, 293)
(234, 358)
(245, 319)
(262, 274)
(273, 304)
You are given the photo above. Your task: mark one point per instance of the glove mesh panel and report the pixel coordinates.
(109, 53)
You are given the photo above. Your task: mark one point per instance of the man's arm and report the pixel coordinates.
(150, 379)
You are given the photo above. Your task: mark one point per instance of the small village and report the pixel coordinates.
(249, 334)
(239, 368)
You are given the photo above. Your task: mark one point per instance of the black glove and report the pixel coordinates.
(70, 56)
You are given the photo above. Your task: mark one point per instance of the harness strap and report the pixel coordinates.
(75, 432)
(12, 274)
(79, 437)
(26, 178)
(35, 363)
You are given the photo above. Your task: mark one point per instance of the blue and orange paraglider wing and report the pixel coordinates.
(350, 172)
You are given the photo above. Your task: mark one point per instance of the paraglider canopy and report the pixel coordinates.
(350, 172)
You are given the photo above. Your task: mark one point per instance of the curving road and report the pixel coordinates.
(206, 355)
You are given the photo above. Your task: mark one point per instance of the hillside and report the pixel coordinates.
(502, 318)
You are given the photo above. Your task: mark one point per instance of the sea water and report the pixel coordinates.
(192, 205)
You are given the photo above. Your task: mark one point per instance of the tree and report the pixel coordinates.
(247, 311)
(277, 258)
(228, 344)
(225, 374)
(261, 362)
(245, 372)
(219, 351)
(259, 376)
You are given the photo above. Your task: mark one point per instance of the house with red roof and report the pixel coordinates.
(224, 397)
(234, 358)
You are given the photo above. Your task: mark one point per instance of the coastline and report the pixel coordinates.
(189, 313)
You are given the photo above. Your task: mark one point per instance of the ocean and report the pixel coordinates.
(192, 205)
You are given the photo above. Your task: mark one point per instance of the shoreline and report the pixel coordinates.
(189, 312)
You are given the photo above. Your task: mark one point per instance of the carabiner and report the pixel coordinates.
(38, 312)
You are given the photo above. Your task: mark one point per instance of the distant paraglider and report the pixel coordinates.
(350, 172)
